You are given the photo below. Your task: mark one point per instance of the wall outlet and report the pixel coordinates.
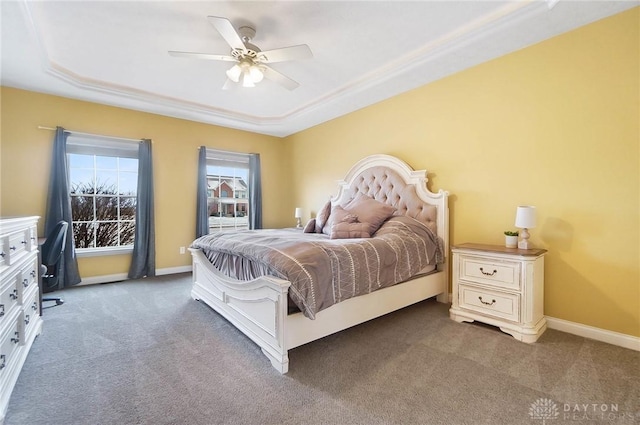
(182, 250)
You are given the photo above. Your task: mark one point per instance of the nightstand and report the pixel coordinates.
(503, 287)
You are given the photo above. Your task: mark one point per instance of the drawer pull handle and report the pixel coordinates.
(486, 302)
(1, 310)
(23, 242)
(12, 248)
(26, 319)
(14, 294)
(4, 361)
(25, 282)
(16, 339)
(488, 273)
(33, 273)
(34, 306)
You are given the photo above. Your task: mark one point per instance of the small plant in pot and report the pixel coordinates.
(511, 239)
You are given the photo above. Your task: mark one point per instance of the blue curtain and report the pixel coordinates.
(255, 192)
(202, 213)
(59, 208)
(143, 262)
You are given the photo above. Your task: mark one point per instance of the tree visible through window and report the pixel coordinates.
(103, 200)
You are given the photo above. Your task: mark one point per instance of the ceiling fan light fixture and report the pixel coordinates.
(234, 73)
(256, 74)
(247, 81)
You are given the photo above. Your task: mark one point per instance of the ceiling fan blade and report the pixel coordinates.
(228, 32)
(301, 51)
(209, 56)
(279, 78)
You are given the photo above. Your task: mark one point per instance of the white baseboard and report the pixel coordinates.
(603, 335)
(107, 278)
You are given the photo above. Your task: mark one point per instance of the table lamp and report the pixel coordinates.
(525, 219)
(298, 216)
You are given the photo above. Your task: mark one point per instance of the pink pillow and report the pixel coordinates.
(370, 211)
(310, 227)
(346, 225)
(322, 217)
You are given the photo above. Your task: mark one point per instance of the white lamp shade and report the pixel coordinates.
(298, 213)
(526, 217)
(256, 74)
(234, 73)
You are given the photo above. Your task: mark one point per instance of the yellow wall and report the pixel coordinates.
(26, 157)
(554, 125)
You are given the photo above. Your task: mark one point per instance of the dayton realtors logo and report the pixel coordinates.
(546, 409)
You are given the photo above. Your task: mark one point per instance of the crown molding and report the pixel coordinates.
(333, 101)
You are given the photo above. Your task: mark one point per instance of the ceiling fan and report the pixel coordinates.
(250, 62)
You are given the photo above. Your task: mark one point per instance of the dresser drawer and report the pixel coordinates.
(9, 344)
(30, 315)
(28, 277)
(9, 295)
(488, 302)
(16, 244)
(501, 274)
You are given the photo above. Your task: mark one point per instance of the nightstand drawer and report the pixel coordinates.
(498, 304)
(501, 274)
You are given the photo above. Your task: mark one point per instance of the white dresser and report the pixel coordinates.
(20, 320)
(500, 286)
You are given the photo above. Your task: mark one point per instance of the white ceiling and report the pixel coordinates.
(115, 53)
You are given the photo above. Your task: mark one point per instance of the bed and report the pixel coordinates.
(260, 307)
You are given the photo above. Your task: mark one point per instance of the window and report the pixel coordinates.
(227, 190)
(103, 180)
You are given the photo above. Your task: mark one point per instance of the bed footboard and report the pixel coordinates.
(258, 308)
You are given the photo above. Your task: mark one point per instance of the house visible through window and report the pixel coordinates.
(103, 179)
(227, 190)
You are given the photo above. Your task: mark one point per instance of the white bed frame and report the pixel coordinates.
(258, 308)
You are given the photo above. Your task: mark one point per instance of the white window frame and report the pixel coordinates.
(236, 160)
(85, 144)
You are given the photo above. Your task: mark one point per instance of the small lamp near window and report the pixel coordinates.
(298, 216)
(525, 219)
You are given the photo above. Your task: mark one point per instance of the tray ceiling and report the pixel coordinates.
(115, 53)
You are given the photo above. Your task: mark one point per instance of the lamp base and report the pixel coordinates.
(524, 244)
(298, 222)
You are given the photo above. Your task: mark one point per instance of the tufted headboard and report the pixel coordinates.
(390, 180)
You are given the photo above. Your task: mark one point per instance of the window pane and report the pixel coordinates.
(106, 208)
(82, 208)
(83, 235)
(81, 181)
(128, 183)
(107, 182)
(107, 234)
(106, 162)
(127, 208)
(129, 164)
(127, 231)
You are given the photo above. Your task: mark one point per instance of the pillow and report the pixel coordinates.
(310, 227)
(370, 211)
(346, 225)
(322, 217)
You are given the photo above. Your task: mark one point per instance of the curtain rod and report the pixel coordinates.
(41, 127)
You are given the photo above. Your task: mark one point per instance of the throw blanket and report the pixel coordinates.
(325, 271)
